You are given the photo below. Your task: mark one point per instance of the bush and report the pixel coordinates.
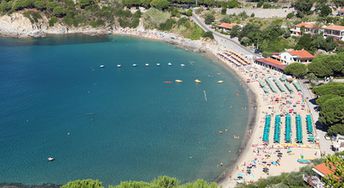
(160, 4)
(188, 12)
(209, 19)
(52, 21)
(167, 26)
(208, 34)
(88, 183)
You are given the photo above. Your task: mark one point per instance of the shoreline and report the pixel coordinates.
(208, 49)
(254, 101)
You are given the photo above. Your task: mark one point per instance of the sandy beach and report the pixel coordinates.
(257, 159)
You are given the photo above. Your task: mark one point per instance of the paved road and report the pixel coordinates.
(224, 40)
(325, 145)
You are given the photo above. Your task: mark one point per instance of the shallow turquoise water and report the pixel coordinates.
(114, 124)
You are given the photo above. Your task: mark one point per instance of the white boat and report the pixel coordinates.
(182, 65)
(101, 66)
(134, 65)
(179, 81)
(158, 64)
(169, 64)
(51, 158)
(146, 64)
(119, 66)
(220, 81)
(197, 81)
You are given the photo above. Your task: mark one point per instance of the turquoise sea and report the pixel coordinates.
(114, 124)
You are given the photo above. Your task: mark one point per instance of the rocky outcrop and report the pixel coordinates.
(17, 25)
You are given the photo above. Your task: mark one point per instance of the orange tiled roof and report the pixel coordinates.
(325, 170)
(227, 25)
(309, 25)
(272, 62)
(335, 27)
(302, 54)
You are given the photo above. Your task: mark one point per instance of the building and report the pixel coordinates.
(338, 143)
(292, 56)
(335, 31)
(271, 63)
(321, 170)
(225, 27)
(305, 28)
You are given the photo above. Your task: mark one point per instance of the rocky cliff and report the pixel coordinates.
(17, 25)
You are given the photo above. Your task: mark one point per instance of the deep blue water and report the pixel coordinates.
(114, 124)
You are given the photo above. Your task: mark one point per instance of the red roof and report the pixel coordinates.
(309, 25)
(227, 25)
(302, 54)
(325, 170)
(334, 27)
(272, 62)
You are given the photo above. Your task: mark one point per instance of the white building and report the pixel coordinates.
(335, 31)
(292, 56)
(305, 28)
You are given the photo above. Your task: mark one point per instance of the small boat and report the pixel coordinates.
(168, 82)
(146, 64)
(101, 66)
(51, 159)
(119, 66)
(179, 81)
(197, 81)
(220, 81)
(169, 64)
(158, 64)
(134, 65)
(182, 65)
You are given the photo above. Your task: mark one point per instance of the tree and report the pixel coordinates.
(296, 69)
(209, 19)
(324, 10)
(303, 6)
(160, 4)
(233, 4)
(332, 111)
(235, 31)
(59, 11)
(189, 12)
(208, 34)
(330, 88)
(88, 183)
(336, 129)
(319, 69)
(305, 43)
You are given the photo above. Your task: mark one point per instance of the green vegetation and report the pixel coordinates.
(295, 179)
(33, 16)
(296, 69)
(331, 105)
(160, 182)
(321, 66)
(327, 65)
(88, 183)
